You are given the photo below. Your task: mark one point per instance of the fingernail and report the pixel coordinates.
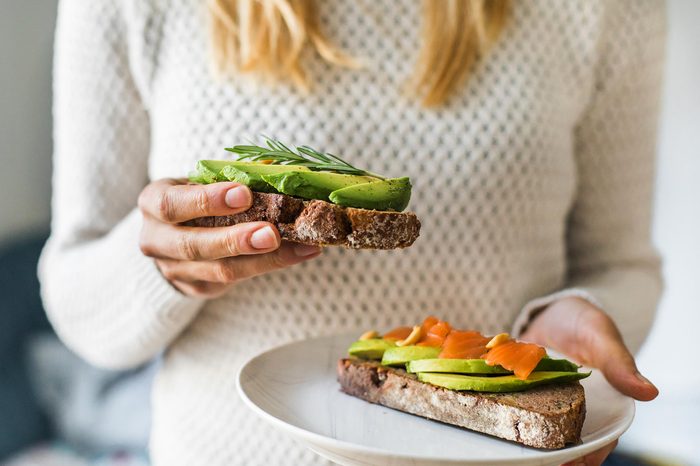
(644, 380)
(263, 238)
(303, 250)
(237, 197)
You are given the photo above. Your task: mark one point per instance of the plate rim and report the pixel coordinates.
(332, 443)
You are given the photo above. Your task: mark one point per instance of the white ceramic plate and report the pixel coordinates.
(294, 388)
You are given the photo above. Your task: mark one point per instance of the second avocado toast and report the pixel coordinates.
(315, 198)
(493, 385)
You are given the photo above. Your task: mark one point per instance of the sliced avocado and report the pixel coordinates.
(208, 171)
(257, 168)
(313, 185)
(400, 355)
(248, 173)
(499, 384)
(252, 180)
(556, 365)
(388, 194)
(455, 366)
(479, 366)
(370, 349)
(249, 178)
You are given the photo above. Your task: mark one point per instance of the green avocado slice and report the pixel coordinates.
(455, 366)
(253, 180)
(479, 366)
(207, 171)
(251, 174)
(248, 173)
(370, 349)
(499, 384)
(388, 194)
(313, 185)
(400, 355)
(548, 364)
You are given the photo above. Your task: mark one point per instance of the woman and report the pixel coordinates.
(527, 128)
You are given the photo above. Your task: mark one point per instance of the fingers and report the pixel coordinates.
(595, 458)
(202, 276)
(166, 241)
(607, 351)
(203, 262)
(577, 328)
(170, 201)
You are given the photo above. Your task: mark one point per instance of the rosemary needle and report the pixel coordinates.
(276, 152)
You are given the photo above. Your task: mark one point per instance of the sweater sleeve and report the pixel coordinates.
(611, 260)
(106, 300)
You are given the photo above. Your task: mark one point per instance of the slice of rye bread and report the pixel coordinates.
(325, 224)
(549, 416)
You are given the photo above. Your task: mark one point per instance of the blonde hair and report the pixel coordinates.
(268, 37)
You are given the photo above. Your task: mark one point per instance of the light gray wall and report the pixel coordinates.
(26, 34)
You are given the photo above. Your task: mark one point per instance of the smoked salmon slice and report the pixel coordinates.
(460, 344)
(428, 322)
(399, 333)
(435, 335)
(516, 356)
(519, 357)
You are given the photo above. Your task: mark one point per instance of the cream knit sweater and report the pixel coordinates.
(534, 182)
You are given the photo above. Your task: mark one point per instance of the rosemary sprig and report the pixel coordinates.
(277, 152)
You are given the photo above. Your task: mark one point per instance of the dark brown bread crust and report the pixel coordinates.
(325, 224)
(549, 417)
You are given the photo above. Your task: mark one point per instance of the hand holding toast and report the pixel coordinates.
(580, 330)
(207, 262)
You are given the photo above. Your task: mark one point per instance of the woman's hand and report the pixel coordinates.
(206, 262)
(583, 332)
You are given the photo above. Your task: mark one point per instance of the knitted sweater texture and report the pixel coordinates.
(533, 182)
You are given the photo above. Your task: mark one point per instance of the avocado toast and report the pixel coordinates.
(315, 198)
(511, 390)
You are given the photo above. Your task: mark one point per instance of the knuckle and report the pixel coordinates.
(202, 202)
(232, 243)
(187, 248)
(275, 260)
(225, 272)
(165, 207)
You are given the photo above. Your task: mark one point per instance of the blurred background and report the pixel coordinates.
(52, 402)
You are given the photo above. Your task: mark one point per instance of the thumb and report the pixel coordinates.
(608, 353)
